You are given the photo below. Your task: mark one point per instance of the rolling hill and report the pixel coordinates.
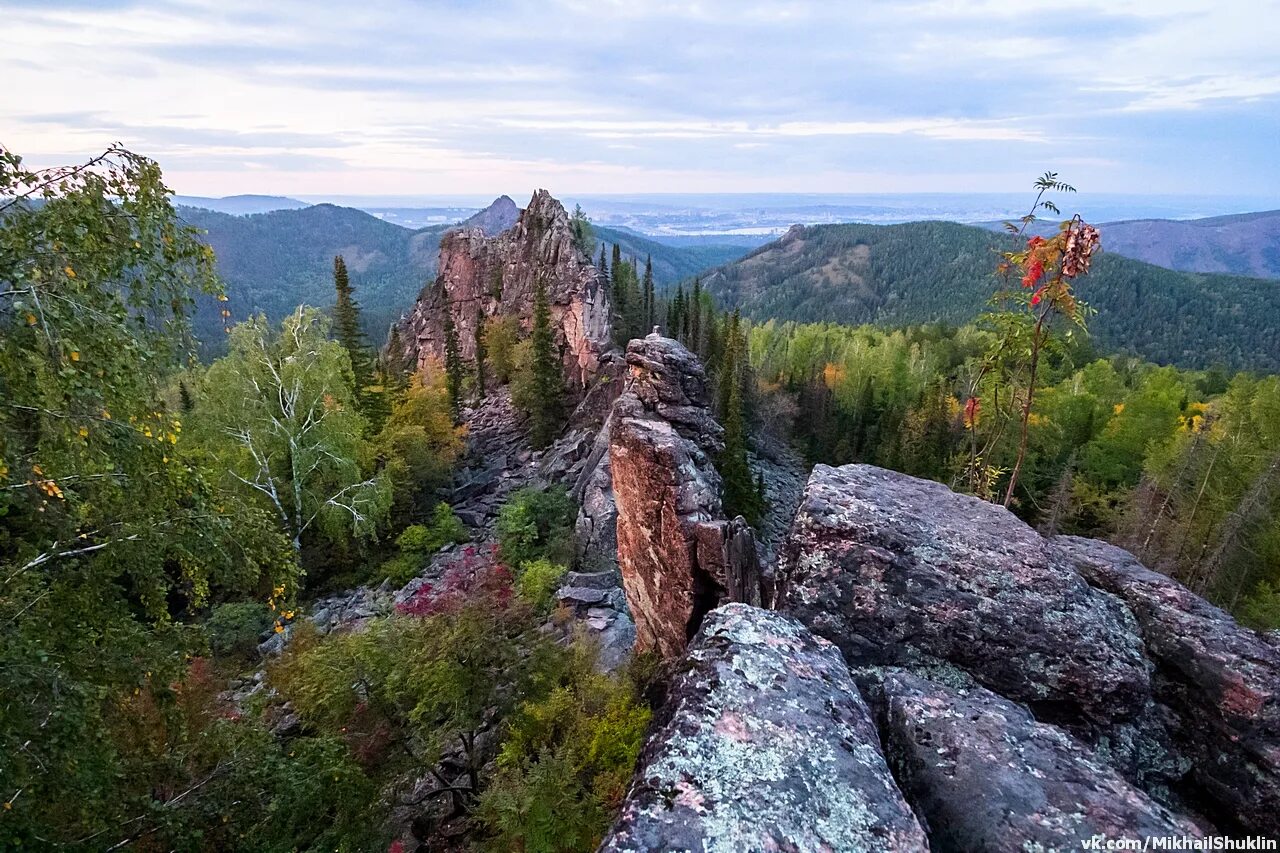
(923, 272)
(1242, 244)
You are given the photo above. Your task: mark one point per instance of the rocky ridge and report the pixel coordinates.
(679, 556)
(484, 276)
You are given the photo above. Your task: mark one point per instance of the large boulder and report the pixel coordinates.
(1221, 681)
(678, 555)
(482, 276)
(984, 775)
(897, 570)
(764, 744)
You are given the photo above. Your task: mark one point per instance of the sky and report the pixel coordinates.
(597, 96)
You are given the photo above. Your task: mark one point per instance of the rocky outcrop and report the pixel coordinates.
(679, 557)
(984, 775)
(501, 214)
(764, 744)
(482, 276)
(901, 571)
(1221, 680)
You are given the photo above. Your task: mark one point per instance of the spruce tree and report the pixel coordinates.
(618, 290)
(650, 310)
(346, 328)
(184, 397)
(740, 491)
(481, 353)
(453, 370)
(548, 386)
(603, 265)
(695, 318)
(675, 315)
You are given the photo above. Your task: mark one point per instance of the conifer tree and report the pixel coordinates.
(675, 315)
(620, 295)
(346, 328)
(548, 386)
(453, 370)
(741, 496)
(695, 318)
(184, 397)
(650, 310)
(481, 353)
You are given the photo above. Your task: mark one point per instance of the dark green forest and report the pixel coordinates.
(925, 272)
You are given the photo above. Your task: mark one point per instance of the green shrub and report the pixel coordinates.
(233, 629)
(418, 542)
(1261, 610)
(537, 582)
(565, 763)
(537, 524)
(443, 529)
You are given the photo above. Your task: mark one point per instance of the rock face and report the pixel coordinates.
(764, 745)
(985, 775)
(1221, 680)
(482, 276)
(901, 571)
(1080, 687)
(679, 557)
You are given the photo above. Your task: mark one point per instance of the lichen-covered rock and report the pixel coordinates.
(897, 570)
(483, 276)
(1221, 680)
(679, 557)
(985, 775)
(764, 744)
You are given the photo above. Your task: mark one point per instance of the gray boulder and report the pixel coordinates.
(897, 570)
(1222, 681)
(986, 776)
(764, 744)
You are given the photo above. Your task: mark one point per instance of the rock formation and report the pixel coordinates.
(1029, 693)
(1221, 681)
(984, 775)
(901, 571)
(764, 744)
(482, 276)
(678, 555)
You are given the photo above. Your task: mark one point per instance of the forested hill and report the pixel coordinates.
(923, 272)
(272, 262)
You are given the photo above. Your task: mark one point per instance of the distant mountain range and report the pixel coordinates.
(273, 261)
(240, 205)
(1239, 244)
(1242, 244)
(923, 272)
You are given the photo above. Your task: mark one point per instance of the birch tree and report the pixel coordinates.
(279, 412)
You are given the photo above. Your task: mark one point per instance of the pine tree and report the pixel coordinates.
(184, 397)
(481, 353)
(676, 320)
(548, 386)
(346, 327)
(740, 489)
(602, 264)
(695, 318)
(453, 370)
(618, 290)
(650, 310)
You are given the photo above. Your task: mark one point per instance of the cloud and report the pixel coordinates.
(453, 97)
